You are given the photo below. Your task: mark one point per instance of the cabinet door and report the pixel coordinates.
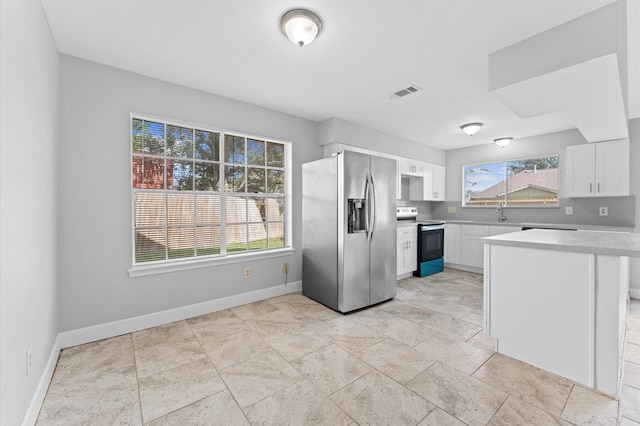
(411, 167)
(430, 186)
(407, 256)
(472, 250)
(580, 173)
(438, 185)
(472, 246)
(452, 243)
(612, 168)
(401, 268)
(411, 261)
(407, 250)
(427, 181)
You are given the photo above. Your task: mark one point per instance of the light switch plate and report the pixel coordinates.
(568, 210)
(603, 211)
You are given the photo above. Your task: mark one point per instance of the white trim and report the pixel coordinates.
(94, 333)
(191, 262)
(182, 265)
(40, 393)
(592, 288)
(634, 293)
(202, 126)
(116, 328)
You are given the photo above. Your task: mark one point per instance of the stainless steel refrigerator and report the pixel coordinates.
(349, 230)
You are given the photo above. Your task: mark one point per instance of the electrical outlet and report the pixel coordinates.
(285, 267)
(247, 272)
(604, 211)
(451, 209)
(28, 360)
(568, 210)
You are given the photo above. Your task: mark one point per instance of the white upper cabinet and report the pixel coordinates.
(598, 169)
(437, 182)
(431, 185)
(411, 167)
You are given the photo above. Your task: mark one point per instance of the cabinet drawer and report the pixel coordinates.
(482, 230)
(408, 232)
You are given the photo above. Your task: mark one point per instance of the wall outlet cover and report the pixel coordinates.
(568, 210)
(451, 209)
(603, 211)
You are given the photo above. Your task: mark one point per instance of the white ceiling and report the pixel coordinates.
(366, 50)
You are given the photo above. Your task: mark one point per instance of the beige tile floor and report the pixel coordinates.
(419, 359)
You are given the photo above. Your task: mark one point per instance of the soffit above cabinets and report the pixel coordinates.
(573, 71)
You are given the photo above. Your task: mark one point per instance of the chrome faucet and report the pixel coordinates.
(501, 216)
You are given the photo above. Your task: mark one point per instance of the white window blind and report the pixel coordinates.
(201, 192)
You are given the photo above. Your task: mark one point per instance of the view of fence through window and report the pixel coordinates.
(524, 183)
(198, 192)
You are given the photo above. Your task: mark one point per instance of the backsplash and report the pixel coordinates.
(585, 212)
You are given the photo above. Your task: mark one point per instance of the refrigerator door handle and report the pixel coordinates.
(367, 201)
(372, 214)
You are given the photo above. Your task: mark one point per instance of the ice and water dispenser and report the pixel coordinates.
(357, 215)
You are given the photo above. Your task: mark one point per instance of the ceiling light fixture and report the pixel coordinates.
(471, 128)
(300, 26)
(503, 141)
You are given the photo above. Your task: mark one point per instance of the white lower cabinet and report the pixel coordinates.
(452, 243)
(472, 245)
(463, 245)
(407, 250)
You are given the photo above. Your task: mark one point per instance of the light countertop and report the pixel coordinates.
(597, 242)
(544, 225)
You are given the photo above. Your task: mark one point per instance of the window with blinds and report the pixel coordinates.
(201, 192)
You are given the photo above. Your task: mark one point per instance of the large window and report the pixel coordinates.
(524, 183)
(201, 192)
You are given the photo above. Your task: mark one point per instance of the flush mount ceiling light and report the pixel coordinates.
(300, 26)
(503, 141)
(471, 128)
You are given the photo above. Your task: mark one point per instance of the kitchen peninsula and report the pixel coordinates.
(558, 300)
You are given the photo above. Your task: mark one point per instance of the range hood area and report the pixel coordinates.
(574, 73)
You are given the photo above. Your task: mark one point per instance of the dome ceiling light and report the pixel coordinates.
(300, 26)
(503, 141)
(471, 128)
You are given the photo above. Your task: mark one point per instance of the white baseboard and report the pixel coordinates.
(464, 268)
(634, 293)
(117, 328)
(43, 385)
(94, 333)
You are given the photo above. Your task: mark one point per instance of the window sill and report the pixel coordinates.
(183, 265)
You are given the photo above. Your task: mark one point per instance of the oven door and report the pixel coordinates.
(430, 242)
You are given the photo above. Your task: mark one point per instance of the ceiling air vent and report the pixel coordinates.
(404, 92)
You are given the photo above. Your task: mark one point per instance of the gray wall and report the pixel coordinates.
(95, 201)
(28, 202)
(585, 210)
